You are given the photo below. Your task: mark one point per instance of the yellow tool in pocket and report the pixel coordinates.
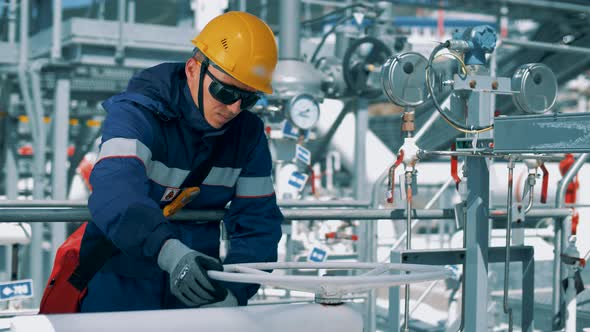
(187, 195)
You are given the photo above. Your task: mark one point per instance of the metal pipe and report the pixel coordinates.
(408, 247)
(100, 12)
(82, 214)
(35, 215)
(507, 309)
(119, 53)
(558, 241)
(422, 154)
(39, 143)
(556, 301)
(12, 22)
(131, 11)
(547, 46)
(242, 5)
(463, 292)
(535, 213)
(24, 32)
(289, 34)
(264, 10)
(36, 262)
(368, 231)
(428, 205)
(37, 121)
(60, 156)
(531, 195)
(63, 204)
(56, 30)
(567, 178)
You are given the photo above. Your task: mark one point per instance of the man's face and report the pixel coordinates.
(216, 113)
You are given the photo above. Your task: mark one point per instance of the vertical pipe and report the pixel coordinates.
(37, 121)
(101, 9)
(37, 267)
(289, 33)
(557, 317)
(24, 32)
(264, 10)
(367, 252)
(121, 17)
(56, 30)
(131, 11)
(12, 22)
(493, 73)
(559, 243)
(10, 165)
(507, 309)
(242, 5)
(408, 246)
(60, 156)
(10, 178)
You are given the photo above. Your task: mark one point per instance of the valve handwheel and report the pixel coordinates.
(358, 63)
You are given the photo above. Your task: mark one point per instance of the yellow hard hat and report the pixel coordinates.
(243, 46)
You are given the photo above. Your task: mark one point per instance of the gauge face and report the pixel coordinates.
(303, 111)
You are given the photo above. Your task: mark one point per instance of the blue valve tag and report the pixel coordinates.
(302, 154)
(290, 131)
(298, 180)
(20, 289)
(317, 255)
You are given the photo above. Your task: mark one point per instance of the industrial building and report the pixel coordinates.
(401, 165)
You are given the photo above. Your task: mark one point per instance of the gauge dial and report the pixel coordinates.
(303, 111)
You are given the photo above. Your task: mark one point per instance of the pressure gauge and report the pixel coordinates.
(304, 111)
(536, 88)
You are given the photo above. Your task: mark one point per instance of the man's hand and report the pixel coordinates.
(230, 301)
(188, 268)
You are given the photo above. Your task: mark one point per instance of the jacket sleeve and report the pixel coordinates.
(253, 221)
(120, 204)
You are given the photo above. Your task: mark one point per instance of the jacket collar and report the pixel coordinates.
(194, 116)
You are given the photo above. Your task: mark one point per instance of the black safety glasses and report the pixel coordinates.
(228, 94)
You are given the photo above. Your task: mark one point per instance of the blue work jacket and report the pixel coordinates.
(153, 137)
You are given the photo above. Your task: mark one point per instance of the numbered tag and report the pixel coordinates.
(298, 180)
(290, 131)
(317, 255)
(302, 154)
(20, 289)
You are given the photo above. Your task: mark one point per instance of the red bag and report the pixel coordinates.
(70, 275)
(60, 296)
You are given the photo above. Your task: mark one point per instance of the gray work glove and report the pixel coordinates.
(188, 268)
(230, 301)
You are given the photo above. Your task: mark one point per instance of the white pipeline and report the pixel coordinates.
(284, 318)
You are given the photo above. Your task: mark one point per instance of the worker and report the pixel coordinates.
(158, 135)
